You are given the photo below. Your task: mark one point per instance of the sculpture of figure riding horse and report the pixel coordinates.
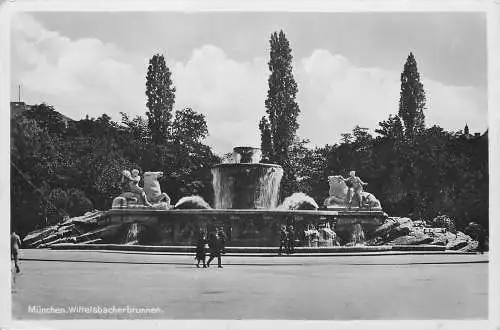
(134, 196)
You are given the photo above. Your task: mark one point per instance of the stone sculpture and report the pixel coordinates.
(133, 196)
(369, 201)
(338, 192)
(355, 185)
(341, 196)
(152, 188)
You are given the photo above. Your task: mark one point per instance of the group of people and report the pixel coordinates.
(287, 240)
(216, 244)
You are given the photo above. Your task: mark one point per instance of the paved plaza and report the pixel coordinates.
(363, 287)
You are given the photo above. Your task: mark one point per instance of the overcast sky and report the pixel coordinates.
(347, 66)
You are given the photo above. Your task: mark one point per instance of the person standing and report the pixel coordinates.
(290, 240)
(200, 249)
(222, 240)
(15, 246)
(283, 240)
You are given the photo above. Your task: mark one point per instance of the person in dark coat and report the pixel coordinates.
(200, 249)
(283, 240)
(222, 240)
(290, 240)
(216, 244)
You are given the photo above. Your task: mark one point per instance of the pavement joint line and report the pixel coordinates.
(270, 254)
(256, 264)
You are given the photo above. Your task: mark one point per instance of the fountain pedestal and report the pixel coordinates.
(242, 227)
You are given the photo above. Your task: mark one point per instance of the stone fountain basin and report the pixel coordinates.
(243, 227)
(246, 185)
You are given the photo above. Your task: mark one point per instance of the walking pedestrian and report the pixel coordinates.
(15, 246)
(200, 249)
(283, 240)
(216, 244)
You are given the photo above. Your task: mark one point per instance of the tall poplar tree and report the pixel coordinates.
(278, 130)
(281, 107)
(160, 94)
(412, 99)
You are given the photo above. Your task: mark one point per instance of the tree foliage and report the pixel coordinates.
(266, 142)
(189, 126)
(160, 94)
(412, 99)
(75, 168)
(438, 172)
(281, 107)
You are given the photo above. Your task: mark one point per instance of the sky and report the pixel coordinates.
(347, 66)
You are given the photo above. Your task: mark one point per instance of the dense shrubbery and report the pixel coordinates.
(61, 170)
(436, 173)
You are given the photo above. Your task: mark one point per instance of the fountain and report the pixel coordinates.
(246, 184)
(246, 208)
(246, 194)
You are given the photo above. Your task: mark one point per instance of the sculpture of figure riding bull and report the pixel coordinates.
(348, 192)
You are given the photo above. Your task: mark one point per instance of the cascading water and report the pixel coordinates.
(246, 184)
(132, 233)
(222, 185)
(269, 186)
(358, 235)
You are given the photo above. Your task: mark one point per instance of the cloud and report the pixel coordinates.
(231, 94)
(87, 76)
(335, 95)
(452, 107)
(78, 77)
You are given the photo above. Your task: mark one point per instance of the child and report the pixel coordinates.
(200, 249)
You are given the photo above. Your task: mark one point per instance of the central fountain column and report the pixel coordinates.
(244, 183)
